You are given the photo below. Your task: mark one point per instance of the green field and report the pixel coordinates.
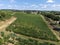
(31, 25)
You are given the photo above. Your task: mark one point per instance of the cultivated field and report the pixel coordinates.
(31, 25)
(19, 28)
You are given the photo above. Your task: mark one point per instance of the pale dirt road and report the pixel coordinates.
(7, 23)
(50, 28)
(40, 40)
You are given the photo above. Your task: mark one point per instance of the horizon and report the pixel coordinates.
(48, 5)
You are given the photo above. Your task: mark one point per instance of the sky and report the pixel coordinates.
(30, 4)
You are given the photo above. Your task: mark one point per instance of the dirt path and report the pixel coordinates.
(7, 23)
(50, 28)
(40, 40)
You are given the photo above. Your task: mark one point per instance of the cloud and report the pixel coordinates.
(34, 5)
(56, 5)
(30, 6)
(43, 5)
(10, 6)
(13, 6)
(11, 1)
(50, 1)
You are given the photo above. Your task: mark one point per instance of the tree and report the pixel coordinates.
(38, 12)
(1, 42)
(56, 18)
(2, 15)
(2, 34)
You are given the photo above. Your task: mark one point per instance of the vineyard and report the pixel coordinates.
(31, 25)
(23, 28)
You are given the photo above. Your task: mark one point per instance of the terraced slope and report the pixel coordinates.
(31, 25)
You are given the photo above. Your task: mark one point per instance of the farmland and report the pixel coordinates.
(27, 29)
(31, 25)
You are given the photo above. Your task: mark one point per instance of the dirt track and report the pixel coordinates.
(51, 29)
(7, 23)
